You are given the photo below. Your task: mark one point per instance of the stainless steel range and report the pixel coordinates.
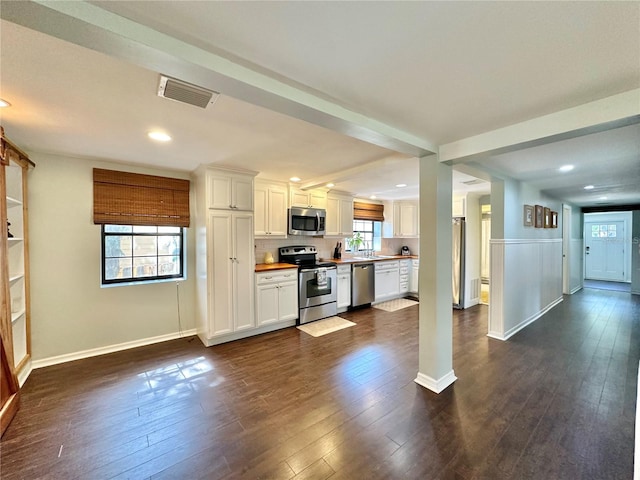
(317, 283)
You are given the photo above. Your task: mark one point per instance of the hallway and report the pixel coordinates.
(555, 401)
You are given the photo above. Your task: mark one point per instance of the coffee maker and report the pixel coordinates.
(405, 251)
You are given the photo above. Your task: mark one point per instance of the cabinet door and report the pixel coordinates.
(261, 210)
(221, 273)
(267, 304)
(242, 193)
(346, 217)
(299, 198)
(344, 290)
(288, 300)
(220, 192)
(332, 222)
(244, 271)
(317, 199)
(406, 216)
(277, 212)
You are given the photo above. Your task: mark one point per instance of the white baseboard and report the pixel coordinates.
(575, 289)
(229, 337)
(94, 352)
(24, 373)
(436, 386)
(512, 331)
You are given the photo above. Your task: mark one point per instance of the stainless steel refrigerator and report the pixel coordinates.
(458, 262)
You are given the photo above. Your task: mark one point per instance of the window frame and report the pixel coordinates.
(374, 244)
(181, 275)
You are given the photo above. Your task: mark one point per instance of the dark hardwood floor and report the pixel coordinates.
(556, 401)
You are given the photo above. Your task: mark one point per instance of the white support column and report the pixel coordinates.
(435, 356)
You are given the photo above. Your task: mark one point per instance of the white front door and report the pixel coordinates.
(604, 251)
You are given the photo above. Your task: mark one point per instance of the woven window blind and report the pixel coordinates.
(123, 198)
(368, 211)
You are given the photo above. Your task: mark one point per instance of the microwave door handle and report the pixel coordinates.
(317, 221)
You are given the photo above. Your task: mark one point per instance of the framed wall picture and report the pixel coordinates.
(528, 216)
(554, 219)
(547, 217)
(539, 216)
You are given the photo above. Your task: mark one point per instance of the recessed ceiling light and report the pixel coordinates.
(330, 185)
(373, 197)
(294, 179)
(4, 103)
(566, 168)
(159, 136)
(589, 187)
(603, 198)
(401, 185)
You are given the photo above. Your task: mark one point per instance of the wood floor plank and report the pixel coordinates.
(557, 400)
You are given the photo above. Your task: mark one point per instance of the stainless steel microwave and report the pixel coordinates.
(307, 221)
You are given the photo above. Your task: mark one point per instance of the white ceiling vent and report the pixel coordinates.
(185, 92)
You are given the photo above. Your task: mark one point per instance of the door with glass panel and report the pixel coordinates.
(604, 251)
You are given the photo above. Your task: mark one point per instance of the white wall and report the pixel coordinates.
(576, 251)
(473, 244)
(526, 262)
(635, 258)
(70, 313)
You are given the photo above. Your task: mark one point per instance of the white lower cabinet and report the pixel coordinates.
(231, 271)
(387, 284)
(276, 296)
(344, 287)
(405, 273)
(413, 284)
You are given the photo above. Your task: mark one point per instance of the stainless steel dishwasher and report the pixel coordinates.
(363, 277)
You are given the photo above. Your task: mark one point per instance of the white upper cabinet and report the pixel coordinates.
(406, 221)
(339, 215)
(458, 207)
(270, 204)
(230, 191)
(308, 198)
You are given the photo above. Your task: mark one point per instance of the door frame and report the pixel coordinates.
(566, 249)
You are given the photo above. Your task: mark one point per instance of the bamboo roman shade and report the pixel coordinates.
(368, 211)
(123, 198)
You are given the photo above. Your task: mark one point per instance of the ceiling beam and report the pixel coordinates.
(91, 27)
(612, 112)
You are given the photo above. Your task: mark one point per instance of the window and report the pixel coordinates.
(132, 253)
(603, 231)
(371, 234)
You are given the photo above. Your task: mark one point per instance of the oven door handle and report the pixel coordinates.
(313, 269)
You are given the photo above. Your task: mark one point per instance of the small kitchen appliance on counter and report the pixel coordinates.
(317, 283)
(405, 251)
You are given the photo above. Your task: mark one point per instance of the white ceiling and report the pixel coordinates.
(442, 71)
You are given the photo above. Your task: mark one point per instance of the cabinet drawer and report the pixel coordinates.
(404, 278)
(344, 269)
(404, 269)
(404, 287)
(276, 277)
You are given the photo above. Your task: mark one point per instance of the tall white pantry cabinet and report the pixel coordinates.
(225, 263)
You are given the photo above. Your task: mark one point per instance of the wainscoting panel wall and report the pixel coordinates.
(526, 281)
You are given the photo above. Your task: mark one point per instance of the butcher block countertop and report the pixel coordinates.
(267, 267)
(349, 261)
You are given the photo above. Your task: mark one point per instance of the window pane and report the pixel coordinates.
(117, 268)
(118, 228)
(117, 246)
(169, 229)
(145, 266)
(144, 229)
(169, 245)
(168, 265)
(145, 246)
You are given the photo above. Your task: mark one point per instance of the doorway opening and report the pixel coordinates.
(485, 255)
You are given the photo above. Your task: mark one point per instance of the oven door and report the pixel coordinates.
(317, 286)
